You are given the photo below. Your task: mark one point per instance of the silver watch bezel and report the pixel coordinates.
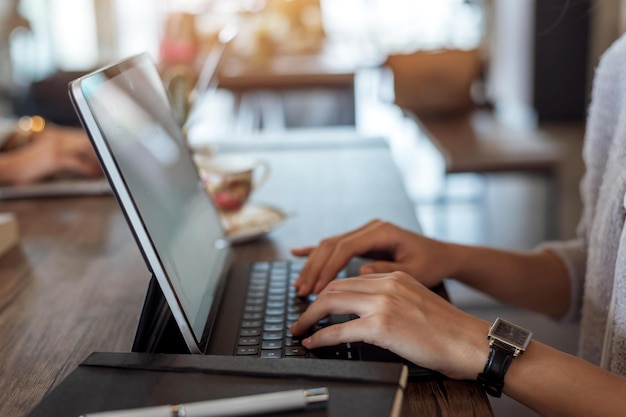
(517, 348)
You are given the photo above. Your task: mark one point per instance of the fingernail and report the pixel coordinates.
(307, 341)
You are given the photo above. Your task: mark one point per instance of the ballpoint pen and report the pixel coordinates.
(238, 406)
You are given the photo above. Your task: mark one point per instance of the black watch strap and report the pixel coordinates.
(492, 377)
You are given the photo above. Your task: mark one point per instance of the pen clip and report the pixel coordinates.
(178, 410)
(316, 395)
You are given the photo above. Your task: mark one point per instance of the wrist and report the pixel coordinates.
(458, 257)
(468, 353)
(507, 342)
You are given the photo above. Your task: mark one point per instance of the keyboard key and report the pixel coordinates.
(336, 352)
(256, 294)
(272, 344)
(272, 327)
(296, 309)
(248, 341)
(251, 323)
(255, 301)
(247, 350)
(292, 341)
(276, 304)
(271, 353)
(250, 332)
(273, 335)
(261, 266)
(275, 319)
(252, 316)
(295, 351)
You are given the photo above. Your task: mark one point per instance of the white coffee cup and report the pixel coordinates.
(230, 179)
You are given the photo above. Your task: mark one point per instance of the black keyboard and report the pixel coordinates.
(271, 308)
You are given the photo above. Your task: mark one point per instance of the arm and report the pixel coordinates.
(535, 280)
(554, 383)
(398, 313)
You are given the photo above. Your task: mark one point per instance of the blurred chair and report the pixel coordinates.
(434, 90)
(435, 83)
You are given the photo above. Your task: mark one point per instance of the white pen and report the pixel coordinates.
(238, 406)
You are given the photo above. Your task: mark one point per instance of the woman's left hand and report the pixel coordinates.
(398, 313)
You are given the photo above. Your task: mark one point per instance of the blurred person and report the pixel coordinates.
(32, 150)
(10, 19)
(583, 279)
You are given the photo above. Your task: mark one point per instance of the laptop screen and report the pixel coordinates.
(130, 107)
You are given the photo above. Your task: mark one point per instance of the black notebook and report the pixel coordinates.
(113, 381)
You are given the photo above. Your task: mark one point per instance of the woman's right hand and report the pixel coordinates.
(399, 314)
(428, 260)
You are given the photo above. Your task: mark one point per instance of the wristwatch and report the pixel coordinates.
(506, 341)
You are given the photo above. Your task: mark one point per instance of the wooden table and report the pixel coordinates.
(76, 282)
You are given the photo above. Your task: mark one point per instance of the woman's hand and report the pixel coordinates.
(55, 150)
(428, 260)
(398, 313)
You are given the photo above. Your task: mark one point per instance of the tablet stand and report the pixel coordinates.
(157, 331)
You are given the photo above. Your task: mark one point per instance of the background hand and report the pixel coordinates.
(55, 150)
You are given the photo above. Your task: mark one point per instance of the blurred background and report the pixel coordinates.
(482, 102)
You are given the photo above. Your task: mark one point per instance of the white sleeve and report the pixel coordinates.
(573, 254)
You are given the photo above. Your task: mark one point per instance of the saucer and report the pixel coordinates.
(252, 222)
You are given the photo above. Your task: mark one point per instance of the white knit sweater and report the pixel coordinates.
(596, 260)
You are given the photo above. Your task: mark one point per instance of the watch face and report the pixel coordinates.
(510, 333)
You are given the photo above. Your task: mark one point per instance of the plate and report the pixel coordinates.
(252, 222)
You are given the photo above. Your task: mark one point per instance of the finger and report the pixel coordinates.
(77, 165)
(384, 283)
(349, 296)
(331, 303)
(350, 331)
(364, 240)
(78, 145)
(322, 258)
(302, 251)
(379, 267)
(309, 274)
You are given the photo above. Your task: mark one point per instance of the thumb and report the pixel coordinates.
(378, 267)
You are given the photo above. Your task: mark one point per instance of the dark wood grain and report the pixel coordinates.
(76, 282)
(477, 142)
